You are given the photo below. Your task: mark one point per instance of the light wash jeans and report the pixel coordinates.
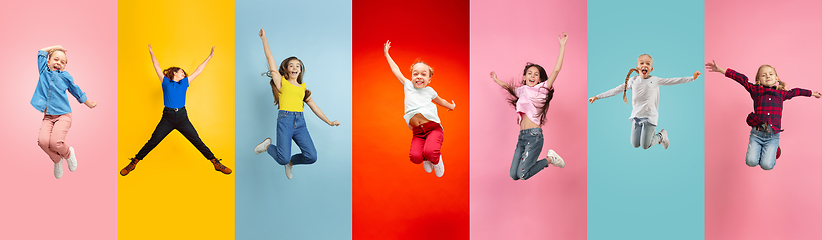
(762, 149)
(643, 133)
(525, 163)
(291, 125)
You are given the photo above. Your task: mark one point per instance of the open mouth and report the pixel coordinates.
(644, 71)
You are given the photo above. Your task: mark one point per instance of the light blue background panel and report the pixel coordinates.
(316, 203)
(655, 193)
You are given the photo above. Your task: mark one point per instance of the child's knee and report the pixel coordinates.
(766, 166)
(43, 143)
(416, 157)
(646, 145)
(751, 162)
(311, 158)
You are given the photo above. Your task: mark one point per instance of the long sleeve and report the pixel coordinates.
(615, 91)
(740, 78)
(796, 92)
(42, 60)
(73, 88)
(675, 81)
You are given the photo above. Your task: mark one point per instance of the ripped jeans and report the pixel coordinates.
(525, 163)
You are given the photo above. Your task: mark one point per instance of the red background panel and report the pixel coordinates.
(392, 197)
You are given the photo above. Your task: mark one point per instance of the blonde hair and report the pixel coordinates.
(430, 69)
(780, 84)
(625, 87)
(57, 50)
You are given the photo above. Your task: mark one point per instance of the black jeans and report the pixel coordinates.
(174, 118)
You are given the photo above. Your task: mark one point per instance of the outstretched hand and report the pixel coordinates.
(712, 67)
(90, 104)
(563, 38)
(493, 75)
(262, 33)
(386, 46)
(453, 106)
(696, 75)
(816, 94)
(212, 52)
(334, 123)
(592, 99)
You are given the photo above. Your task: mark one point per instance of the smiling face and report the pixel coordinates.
(645, 65)
(293, 69)
(420, 75)
(532, 76)
(766, 76)
(57, 61)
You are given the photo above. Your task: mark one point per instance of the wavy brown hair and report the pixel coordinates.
(544, 102)
(169, 72)
(283, 70)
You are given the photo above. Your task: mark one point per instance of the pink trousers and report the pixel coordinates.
(426, 143)
(52, 136)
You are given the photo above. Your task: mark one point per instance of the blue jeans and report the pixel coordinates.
(643, 133)
(762, 149)
(291, 125)
(525, 163)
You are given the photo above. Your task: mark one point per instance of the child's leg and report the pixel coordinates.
(649, 137)
(417, 145)
(285, 130)
(43, 138)
(754, 149)
(529, 165)
(58, 135)
(768, 155)
(303, 140)
(636, 132)
(164, 127)
(433, 143)
(518, 155)
(185, 127)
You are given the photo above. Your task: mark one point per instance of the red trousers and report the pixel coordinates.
(426, 143)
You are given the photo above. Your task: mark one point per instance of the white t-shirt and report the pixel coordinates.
(646, 95)
(419, 101)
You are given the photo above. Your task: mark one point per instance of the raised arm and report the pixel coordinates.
(319, 113)
(450, 106)
(200, 68)
(496, 80)
(272, 65)
(712, 67)
(563, 38)
(394, 68)
(155, 63)
(55, 47)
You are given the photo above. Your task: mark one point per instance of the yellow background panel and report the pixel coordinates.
(175, 193)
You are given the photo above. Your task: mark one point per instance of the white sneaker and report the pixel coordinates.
(263, 146)
(72, 160)
(439, 168)
(288, 173)
(556, 160)
(665, 142)
(428, 165)
(58, 169)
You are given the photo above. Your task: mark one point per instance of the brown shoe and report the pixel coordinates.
(130, 167)
(219, 166)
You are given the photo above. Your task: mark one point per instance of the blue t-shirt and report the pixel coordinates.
(50, 94)
(174, 93)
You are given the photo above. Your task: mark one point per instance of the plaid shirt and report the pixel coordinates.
(767, 101)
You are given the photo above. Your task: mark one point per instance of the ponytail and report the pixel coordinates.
(625, 88)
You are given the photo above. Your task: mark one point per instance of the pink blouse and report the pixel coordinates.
(530, 98)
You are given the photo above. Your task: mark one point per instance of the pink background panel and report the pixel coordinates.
(742, 202)
(504, 36)
(81, 205)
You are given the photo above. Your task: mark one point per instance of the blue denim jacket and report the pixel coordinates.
(50, 94)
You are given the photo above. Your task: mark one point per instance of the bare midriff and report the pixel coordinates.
(526, 123)
(417, 120)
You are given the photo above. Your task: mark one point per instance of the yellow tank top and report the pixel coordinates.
(291, 97)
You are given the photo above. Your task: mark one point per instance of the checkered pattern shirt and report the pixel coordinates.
(767, 101)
